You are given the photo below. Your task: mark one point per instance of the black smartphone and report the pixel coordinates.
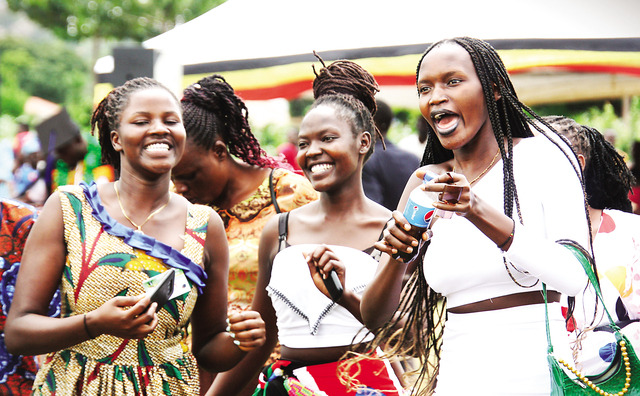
(161, 293)
(332, 282)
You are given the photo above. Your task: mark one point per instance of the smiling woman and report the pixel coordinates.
(321, 247)
(109, 331)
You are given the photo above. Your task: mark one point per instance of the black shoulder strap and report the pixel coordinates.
(273, 192)
(283, 221)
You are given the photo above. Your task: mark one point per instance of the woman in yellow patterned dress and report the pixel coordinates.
(100, 243)
(225, 167)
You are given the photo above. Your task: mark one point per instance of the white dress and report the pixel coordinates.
(503, 352)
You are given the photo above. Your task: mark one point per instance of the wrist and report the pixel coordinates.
(88, 329)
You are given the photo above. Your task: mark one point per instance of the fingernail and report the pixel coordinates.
(407, 227)
(414, 243)
(236, 342)
(228, 321)
(394, 251)
(228, 328)
(232, 334)
(409, 249)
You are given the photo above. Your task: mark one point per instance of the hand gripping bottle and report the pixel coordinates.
(419, 209)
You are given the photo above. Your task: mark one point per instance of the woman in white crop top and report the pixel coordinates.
(334, 234)
(519, 195)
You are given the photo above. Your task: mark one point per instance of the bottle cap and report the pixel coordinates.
(428, 176)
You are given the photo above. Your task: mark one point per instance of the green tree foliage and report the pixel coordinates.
(48, 70)
(112, 19)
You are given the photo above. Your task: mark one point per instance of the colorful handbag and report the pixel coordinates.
(622, 377)
(277, 379)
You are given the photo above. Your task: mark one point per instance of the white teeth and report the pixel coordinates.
(320, 168)
(157, 147)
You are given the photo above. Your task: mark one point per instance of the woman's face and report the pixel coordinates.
(199, 176)
(328, 151)
(451, 97)
(151, 136)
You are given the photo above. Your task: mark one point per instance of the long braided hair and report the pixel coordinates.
(607, 177)
(350, 90)
(212, 111)
(418, 331)
(106, 116)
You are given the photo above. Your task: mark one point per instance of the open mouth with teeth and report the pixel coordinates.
(158, 147)
(445, 122)
(319, 168)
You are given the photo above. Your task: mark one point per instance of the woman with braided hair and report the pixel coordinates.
(616, 247)
(103, 243)
(474, 312)
(300, 249)
(224, 167)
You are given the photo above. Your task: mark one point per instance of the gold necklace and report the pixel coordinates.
(155, 212)
(493, 161)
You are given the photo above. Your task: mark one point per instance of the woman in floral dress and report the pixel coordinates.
(100, 243)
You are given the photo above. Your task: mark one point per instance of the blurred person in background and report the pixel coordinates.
(289, 149)
(634, 194)
(71, 156)
(387, 171)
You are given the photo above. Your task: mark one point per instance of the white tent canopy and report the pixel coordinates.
(259, 34)
(248, 29)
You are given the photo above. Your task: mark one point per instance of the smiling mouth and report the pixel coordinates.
(158, 147)
(319, 168)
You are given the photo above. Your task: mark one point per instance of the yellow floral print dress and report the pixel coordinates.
(244, 223)
(106, 259)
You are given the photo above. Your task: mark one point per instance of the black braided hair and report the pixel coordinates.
(350, 90)
(106, 116)
(608, 179)
(212, 111)
(424, 309)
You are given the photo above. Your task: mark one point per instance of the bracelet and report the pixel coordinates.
(86, 327)
(510, 237)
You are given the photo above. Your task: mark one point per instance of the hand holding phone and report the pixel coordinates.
(162, 288)
(333, 285)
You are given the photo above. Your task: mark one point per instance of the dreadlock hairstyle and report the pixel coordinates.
(350, 90)
(418, 331)
(212, 111)
(607, 177)
(106, 116)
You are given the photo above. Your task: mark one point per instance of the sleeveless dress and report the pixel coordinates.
(106, 259)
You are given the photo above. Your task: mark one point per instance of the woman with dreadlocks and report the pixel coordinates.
(102, 243)
(224, 167)
(485, 265)
(302, 248)
(616, 247)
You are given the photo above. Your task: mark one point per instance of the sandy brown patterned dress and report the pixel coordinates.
(106, 259)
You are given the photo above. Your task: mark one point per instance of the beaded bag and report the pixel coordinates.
(622, 377)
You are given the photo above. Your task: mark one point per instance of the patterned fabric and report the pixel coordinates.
(16, 219)
(374, 376)
(244, 223)
(106, 259)
(617, 252)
